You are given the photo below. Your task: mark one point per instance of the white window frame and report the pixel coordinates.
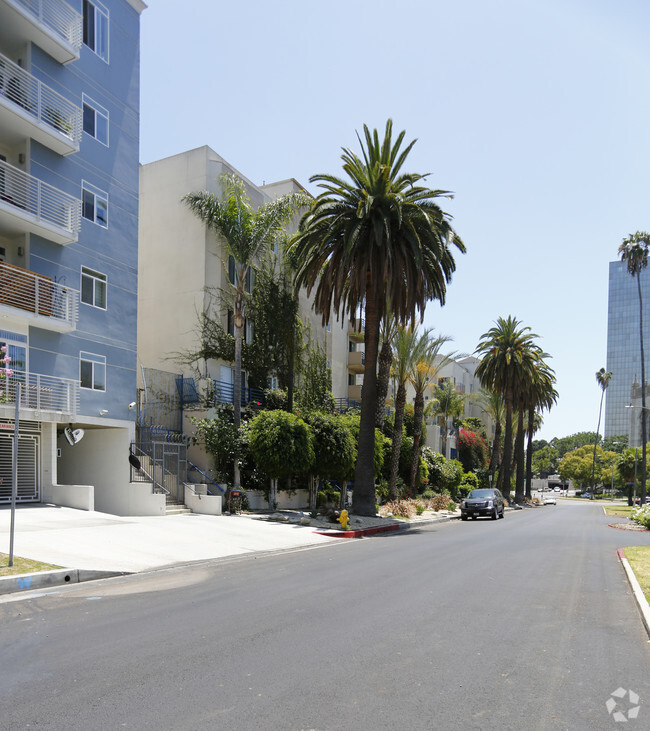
(97, 278)
(97, 364)
(98, 194)
(101, 26)
(99, 112)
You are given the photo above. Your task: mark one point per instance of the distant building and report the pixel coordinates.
(69, 143)
(623, 348)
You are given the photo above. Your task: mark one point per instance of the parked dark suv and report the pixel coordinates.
(486, 502)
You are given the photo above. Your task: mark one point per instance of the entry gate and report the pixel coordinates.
(28, 487)
(166, 464)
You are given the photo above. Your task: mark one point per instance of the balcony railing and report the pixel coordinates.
(50, 304)
(37, 207)
(225, 393)
(57, 27)
(52, 114)
(40, 393)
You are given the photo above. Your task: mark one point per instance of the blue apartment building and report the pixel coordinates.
(69, 157)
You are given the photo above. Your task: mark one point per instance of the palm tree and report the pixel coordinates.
(603, 378)
(506, 358)
(406, 347)
(634, 252)
(247, 234)
(446, 403)
(379, 234)
(423, 372)
(541, 395)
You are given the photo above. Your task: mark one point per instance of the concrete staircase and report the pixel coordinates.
(174, 507)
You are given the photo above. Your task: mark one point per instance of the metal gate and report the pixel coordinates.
(28, 488)
(165, 463)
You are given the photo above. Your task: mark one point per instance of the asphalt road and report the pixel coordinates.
(522, 623)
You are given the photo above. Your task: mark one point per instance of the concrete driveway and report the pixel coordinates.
(79, 539)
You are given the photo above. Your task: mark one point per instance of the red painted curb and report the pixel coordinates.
(621, 553)
(360, 533)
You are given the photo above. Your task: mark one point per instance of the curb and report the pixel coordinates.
(383, 528)
(641, 601)
(55, 577)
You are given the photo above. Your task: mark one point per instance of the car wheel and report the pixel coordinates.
(503, 513)
(463, 517)
(494, 515)
(474, 517)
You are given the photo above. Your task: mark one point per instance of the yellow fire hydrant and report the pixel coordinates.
(344, 520)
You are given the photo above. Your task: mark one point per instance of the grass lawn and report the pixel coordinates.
(639, 559)
(22, 566)
(623, 511)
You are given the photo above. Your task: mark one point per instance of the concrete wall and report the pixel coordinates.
(198, 501)
(298, 500)
(81, 497)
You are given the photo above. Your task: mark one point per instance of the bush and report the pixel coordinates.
(451, 506)
(399, 508)
(440, 502)
(641, 516)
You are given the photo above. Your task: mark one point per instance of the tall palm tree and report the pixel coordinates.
(603, 378)
(423, 372)
(446, 403)
(506, 356)
(406, 347)
(377, 234)
(247, 234)
(634, 252)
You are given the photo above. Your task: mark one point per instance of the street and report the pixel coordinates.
(526, 622)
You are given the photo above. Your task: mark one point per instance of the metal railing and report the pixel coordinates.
(344, 404)
(207, 480)
(58, 16)
(40, 392)
(147, 471)
(41, 102)
(44, 201)
(224, 392)
(38, 294)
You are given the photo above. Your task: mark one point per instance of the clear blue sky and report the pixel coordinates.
(535, 113)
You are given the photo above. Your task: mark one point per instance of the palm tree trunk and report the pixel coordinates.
(529, 453)
(418, 413)
(644, 421)
(237, 397)
(443, 435)
(400, 401)
(506, 462)
(496, 450)
(363, 497)
(519, 457)
(385, 362)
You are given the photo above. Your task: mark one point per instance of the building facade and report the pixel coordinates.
(69, 147)
(623, 348)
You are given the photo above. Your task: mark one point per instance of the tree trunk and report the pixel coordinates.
(313, 492)
(529, 453)
(418, 413)
(644, 421)
(400, 401)
(443, 435)
(496, 450)
(385, 362)
(237, 391)
(363, 498)
(593, 464)
(506, 461)
(519, 457)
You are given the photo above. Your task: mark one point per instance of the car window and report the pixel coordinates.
(482, 493)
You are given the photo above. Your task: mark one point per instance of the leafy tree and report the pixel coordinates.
(603, 378)
(281, 445)
(617, 443)
(334, 450)
(316, 386)
(577, 465)
(574, 441)
(247, 235)
(545, 460)
(492, 404)
(472, 450)
(376, 236)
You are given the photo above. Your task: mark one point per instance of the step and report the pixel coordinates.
(180, 510)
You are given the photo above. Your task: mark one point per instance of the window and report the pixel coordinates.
(92, 371)
(95, 120)
(93, 288)
(249, 279)
(16, 349)
(94, 204)
(95, 22)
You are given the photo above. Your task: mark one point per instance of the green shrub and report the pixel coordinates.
(451, 506)
(641, 515)
(419, 508)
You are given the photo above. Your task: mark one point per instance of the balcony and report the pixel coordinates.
(51, 24)
(354, 393)
(37, 299)
(224, 393)
(28, 205)
(356, 332)
(40, 396)
(357, 361)
(29, 108)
